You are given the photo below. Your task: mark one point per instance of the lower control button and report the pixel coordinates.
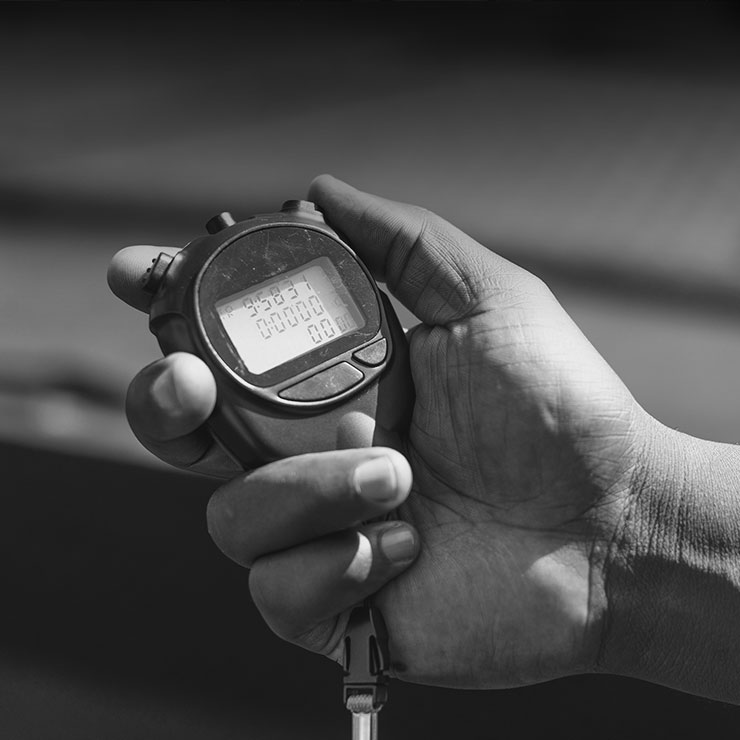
(372, 355)
(326, 384)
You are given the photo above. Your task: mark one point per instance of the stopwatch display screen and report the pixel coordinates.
(289, 315)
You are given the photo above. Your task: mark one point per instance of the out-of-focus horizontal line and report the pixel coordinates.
(45, 210)
(717, 293)
(683, 292)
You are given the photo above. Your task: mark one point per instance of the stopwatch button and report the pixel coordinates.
(304, 209)
(326, 384)
(153, 277)
(220, 222)
(299, 205)
(372, 355)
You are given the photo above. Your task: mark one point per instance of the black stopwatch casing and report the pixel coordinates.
(351, 391)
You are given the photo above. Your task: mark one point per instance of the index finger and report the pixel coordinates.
(127, 271)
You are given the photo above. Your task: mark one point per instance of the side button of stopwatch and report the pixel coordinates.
(324, 385)
(153, 276)
(373, 355)
(220, 222)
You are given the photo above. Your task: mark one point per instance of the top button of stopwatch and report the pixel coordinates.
(303, 208)
(299, 205)
(220, 222)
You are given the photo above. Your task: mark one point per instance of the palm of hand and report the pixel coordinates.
(522, 448)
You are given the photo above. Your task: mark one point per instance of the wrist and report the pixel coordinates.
(672, 573)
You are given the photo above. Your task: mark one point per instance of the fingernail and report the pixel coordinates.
(164, 392)
(376, 479)
(398, 544)
(362, 563)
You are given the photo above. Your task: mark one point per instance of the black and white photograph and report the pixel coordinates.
(369, 370)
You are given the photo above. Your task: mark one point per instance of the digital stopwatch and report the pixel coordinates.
(307, 353)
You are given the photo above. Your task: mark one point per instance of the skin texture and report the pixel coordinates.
(518, 492)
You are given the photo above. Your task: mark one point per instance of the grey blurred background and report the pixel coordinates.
(596, 145)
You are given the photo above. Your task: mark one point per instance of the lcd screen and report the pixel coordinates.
(289, 315)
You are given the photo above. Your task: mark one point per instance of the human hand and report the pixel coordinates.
(523, 449)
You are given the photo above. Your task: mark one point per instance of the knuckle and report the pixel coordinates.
(325, 479)
(415, 230)
(409, 235)
(137, 389)
(224, 530)
(273, 602)
(325, 638)
(286, 617)
(139, 405)
(259, 588)
(144, 404)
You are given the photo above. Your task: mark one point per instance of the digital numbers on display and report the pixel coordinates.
(289, 315)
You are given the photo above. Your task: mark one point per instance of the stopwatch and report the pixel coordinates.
(307, 353)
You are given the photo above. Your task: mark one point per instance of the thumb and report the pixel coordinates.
(433, 268)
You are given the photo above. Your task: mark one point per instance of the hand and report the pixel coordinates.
(523, 450)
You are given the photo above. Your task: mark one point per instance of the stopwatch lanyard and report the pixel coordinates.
(365, 664)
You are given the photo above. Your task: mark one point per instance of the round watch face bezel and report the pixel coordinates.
(266, 252)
